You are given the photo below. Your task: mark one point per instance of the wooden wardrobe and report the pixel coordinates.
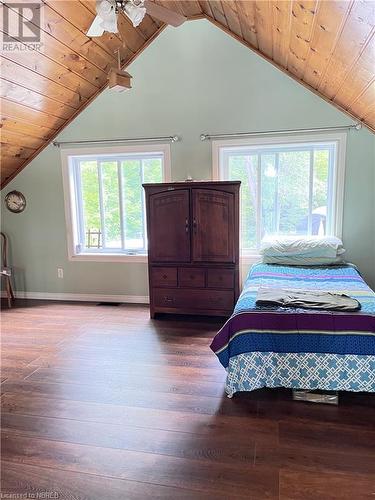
(193, 247)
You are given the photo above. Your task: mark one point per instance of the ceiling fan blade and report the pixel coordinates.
(96, 28)
(163, 14)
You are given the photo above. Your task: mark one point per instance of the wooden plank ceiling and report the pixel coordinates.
(327, 45)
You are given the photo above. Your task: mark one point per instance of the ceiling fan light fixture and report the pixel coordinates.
(135, 13)
(110, 25)
(107, 15)
(106, 10)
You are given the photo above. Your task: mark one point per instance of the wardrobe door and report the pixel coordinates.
(169, 226)
(213, 226)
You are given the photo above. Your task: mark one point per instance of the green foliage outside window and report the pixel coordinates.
(90, 195)
(134, 172)
(285, 191)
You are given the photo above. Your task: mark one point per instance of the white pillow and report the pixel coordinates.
(328, 247)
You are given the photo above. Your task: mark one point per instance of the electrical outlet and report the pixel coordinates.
(60, 272)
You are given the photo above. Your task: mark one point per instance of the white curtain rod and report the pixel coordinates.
(169, 138)
(205, 137)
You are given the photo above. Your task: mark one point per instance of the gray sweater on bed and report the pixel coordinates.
(307, 299)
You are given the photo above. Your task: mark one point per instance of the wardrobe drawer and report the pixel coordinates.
(220, 278)
(164, 276)
(191, 277)
(194, 299)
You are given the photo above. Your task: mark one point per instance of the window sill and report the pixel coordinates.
(108, 257)
(250, 259)
(115, 257)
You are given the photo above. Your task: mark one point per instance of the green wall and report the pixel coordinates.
(191, 80)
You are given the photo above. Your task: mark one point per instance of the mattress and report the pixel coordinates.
(300, 348)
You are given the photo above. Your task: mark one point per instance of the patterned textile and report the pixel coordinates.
(300, 370)
(279, 331)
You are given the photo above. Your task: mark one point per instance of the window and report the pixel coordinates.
(292, 187)
(105, 201)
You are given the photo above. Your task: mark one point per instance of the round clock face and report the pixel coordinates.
(15, 201)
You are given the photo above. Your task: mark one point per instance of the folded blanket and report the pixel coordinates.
(306, 299)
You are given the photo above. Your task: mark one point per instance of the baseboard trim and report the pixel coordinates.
(82, 297)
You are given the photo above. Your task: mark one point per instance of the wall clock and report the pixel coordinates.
(15, 202)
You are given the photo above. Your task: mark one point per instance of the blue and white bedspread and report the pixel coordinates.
(300, 348)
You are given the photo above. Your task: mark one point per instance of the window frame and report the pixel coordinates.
(71, 195)
(269, 142)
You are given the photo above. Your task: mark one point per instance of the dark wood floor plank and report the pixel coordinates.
(15, 373)
(359, 413)
(296, 485)
(130, 380)
(215, 446)
(151, 418)
(62, 367)
(214, 373)
(22, 478)
(120, 359)
(131, 335)
(23, 357)
(143, 467)
(340, 439)
(133, 347)
(315, 460)
(142, 398)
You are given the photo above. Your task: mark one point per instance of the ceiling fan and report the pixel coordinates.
(108, 10)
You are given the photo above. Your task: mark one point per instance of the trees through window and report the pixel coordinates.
(108, 205)
(286, 189)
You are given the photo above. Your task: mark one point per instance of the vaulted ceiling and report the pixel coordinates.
(327, 45)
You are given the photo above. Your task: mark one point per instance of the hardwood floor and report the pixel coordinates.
(101, 403)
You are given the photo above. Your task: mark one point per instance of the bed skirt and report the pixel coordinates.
(332, 372)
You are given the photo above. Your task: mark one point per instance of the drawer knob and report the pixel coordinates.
(168, 299)
(165, 276)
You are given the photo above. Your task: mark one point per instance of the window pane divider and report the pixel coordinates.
(121, 203)
(143, 205)
(311, 191)
(101, 204)
(331, 189)
(277, 197)
(259, 203)
(79, 202)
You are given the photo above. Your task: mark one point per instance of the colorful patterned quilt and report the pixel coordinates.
(299, 348)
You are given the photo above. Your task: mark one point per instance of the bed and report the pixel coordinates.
(299, 348)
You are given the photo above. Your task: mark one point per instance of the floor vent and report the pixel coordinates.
(109, 304)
